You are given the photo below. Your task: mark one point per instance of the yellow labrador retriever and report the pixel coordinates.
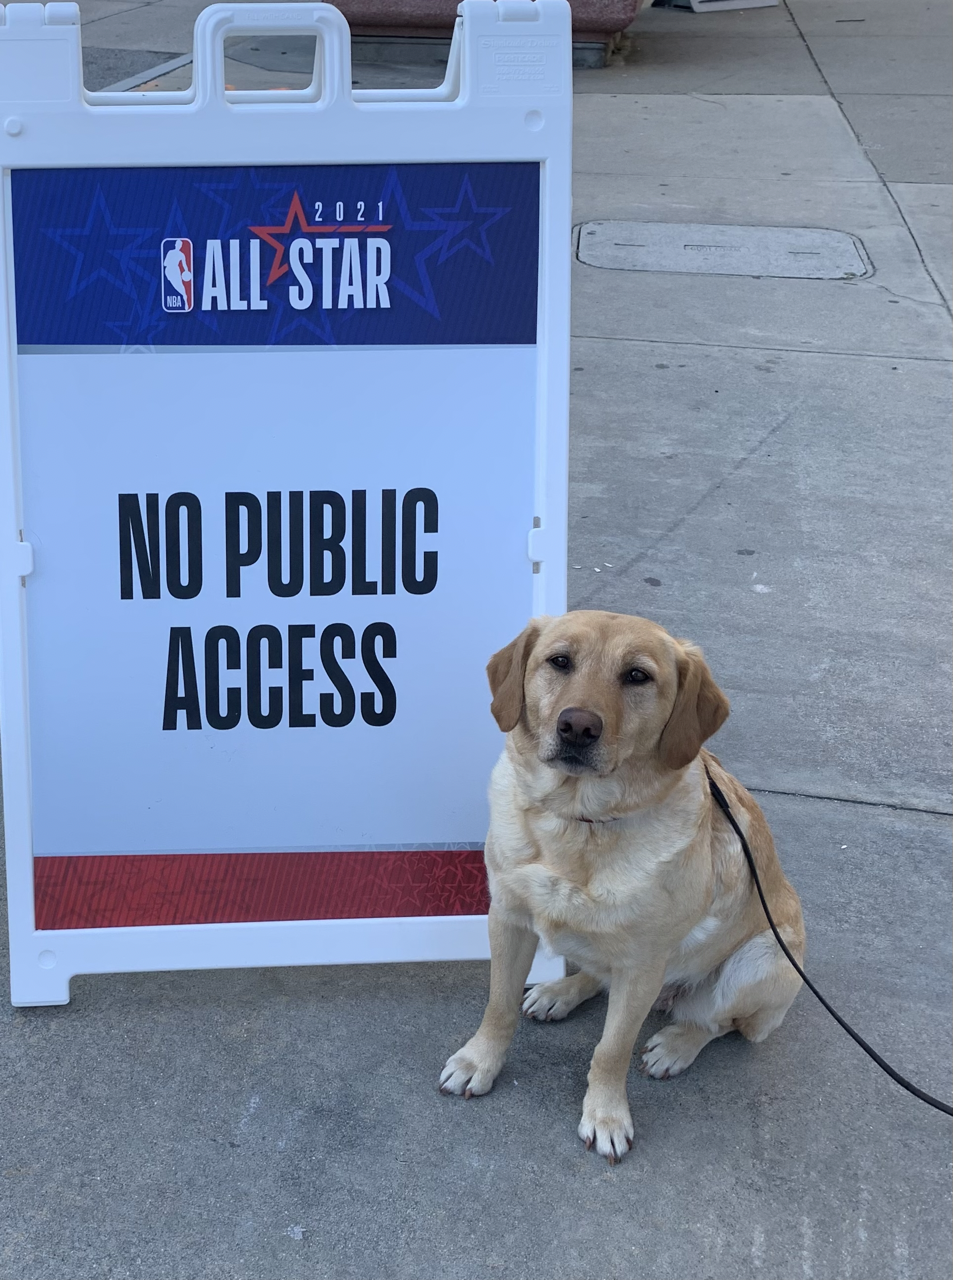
(604, 841)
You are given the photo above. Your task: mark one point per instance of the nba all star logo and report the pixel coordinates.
(177, 276)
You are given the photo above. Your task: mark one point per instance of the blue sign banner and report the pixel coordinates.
(310, 255)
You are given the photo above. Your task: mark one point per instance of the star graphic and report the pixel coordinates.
(295, 214)
(489, 215)
(317, 323)
(442, 231)
(146, 318)
(106, 245)
(137, 332)
(225, 194)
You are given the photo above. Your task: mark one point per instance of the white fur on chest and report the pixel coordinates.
(623, 868)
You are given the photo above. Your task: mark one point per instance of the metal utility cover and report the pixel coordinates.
(805, 253)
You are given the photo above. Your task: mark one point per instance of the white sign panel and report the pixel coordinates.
(285, 460)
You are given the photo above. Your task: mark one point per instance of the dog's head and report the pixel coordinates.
(595, 690)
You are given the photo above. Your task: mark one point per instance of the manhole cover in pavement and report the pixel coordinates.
(805, 253)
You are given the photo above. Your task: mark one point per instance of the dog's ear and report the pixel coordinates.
(700, 709)
(505, 672)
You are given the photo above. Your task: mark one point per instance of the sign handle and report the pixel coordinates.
(332, 61)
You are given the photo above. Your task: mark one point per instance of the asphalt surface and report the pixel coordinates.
(762, 466)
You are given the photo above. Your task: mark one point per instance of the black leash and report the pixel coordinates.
(719, 797)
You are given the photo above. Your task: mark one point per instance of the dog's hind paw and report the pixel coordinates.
(547, 1003)
(670, 1051)
(552, 1001)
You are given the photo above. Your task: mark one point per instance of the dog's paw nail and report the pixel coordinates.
(611, 1157)
(588, 1144)
(468, 1093)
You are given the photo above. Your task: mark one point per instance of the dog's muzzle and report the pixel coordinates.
(577, 740)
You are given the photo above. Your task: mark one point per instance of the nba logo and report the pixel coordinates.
(176, 257)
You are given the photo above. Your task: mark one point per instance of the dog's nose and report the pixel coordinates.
(579, 728)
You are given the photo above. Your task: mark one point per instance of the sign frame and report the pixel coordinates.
(507, 96)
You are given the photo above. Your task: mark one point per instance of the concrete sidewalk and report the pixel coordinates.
(761, 465)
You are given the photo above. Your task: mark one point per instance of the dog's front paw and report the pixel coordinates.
(472, 1069)
(607, 1125)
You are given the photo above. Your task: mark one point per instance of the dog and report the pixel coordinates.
(605, 843)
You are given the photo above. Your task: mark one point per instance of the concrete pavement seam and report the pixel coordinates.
(133, 82)
(869, 804)
(132, 9)
(936, 284)
(741, 346)
(883, 181)
(920, 301)
(687, 514)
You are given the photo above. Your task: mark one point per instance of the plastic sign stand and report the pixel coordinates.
(284, 442)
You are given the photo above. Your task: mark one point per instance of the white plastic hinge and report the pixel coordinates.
(23, 559)
(536, 544)
(517, 11)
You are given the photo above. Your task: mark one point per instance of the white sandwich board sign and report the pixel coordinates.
(283, 460)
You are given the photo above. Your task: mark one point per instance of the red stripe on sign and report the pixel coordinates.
(95, 891)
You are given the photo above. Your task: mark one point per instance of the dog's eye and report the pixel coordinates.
(636, 676)
(560, 662)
